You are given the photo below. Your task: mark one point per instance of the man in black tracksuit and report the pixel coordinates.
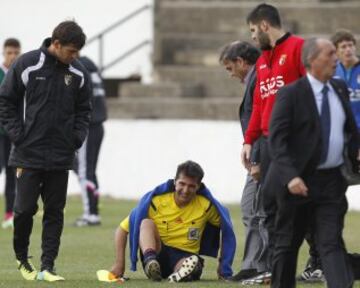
(87, 156)
(45, 109)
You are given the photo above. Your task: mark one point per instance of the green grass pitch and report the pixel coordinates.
(85, 250)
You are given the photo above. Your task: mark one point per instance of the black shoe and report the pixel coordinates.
(312, 272)
(243, 274)
(311, 276)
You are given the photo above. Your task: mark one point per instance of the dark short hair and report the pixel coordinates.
(190, 169)
(342, 35)
(69, 33)
(265, 12)
(12, 42)
(241, 49)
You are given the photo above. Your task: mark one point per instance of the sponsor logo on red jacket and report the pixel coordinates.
(271, 85)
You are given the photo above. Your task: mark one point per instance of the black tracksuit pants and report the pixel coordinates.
(268, 198)
(85, 168)
(52, 187)
(9, 194)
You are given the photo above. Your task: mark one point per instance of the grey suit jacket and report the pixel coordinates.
(245, 111)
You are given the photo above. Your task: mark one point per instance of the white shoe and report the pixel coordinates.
(8, 222)
(88, 220)
(187, 267)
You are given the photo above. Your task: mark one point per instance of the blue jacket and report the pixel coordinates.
(211, 237)
(353, 82)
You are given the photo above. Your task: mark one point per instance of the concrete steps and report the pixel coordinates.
(180, 93)
(230, 16)
(202, 48)
(169, 90)
(276, 2)
(215, 81)
(192, 32)
(174, 108)
(189, 83)
(191, 49)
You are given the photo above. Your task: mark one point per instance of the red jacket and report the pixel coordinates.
(274, 69)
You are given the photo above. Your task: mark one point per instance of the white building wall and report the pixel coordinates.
(137, 155)
(33, 20)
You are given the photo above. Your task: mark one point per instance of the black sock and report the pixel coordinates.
(149, 254)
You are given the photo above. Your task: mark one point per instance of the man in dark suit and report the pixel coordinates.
(311, 127)
(239, 58)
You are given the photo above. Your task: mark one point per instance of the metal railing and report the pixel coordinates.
(100, 37)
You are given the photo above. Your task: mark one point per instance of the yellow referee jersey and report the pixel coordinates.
(181, 228)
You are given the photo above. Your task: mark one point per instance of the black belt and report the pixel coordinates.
(327, 171)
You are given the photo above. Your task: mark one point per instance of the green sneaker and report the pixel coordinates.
(27, 269)
(49, 275)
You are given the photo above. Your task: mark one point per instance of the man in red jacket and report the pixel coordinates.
(279, 64)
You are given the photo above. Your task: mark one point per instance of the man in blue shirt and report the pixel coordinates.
(348, 67)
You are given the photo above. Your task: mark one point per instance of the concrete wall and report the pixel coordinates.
(138, 155)
(33, 20)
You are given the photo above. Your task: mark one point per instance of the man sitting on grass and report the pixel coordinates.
(173, 224)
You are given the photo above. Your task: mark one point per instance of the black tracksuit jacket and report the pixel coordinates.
(45, 109)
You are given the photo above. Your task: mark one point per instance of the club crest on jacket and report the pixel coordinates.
(68, 79)
(282, 59)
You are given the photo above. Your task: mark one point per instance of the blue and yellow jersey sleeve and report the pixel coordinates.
(124, 224)
(213, 216)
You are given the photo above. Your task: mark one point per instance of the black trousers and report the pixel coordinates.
(326, 206)
(268, 198)
(314, 259)
(52, 187)
(5, 148)
(85, 167)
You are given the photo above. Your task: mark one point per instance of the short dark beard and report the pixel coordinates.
(264, 40)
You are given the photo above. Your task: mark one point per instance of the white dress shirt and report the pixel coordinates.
(337, 122)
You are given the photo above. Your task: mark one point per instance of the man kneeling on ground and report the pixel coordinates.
(174, 224)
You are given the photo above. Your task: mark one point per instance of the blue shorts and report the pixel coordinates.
(168, 258)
